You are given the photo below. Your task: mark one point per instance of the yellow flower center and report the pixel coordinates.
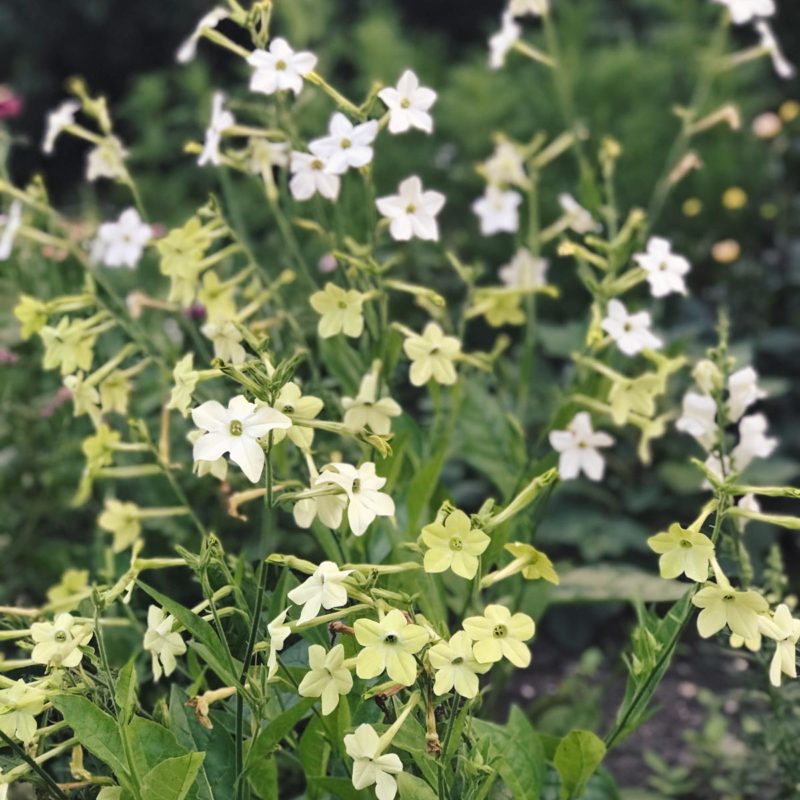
(317, 164)
(236, 428)
(61, 637)
(342, 304)
(456, 544)
(728, 597)
(356, 486)
(405, 103)
(499, 631)
(410, 208)
(281, 65)
(686, 543)
(345, 143)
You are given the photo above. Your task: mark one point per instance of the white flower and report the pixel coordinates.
(498, 210)
(577, 217)
(309, 176)
(121, 243)
(664, 269)
(57, 121)
(346, 145)
(278, 632)
(743, 391)
(502, 41)
(362, 487)
(577, 446)
(783, 67)
(323, 589)
(748, 502)
(188, 49)
(329, 508)
(236, 431)
(58, 643)
(280, 68)
(699, 418)
(11, 224)
(506, 165)
(226, 338)
(107, 160)
(785, 630)
(524, 271)
(327, 677)
(752, 441)
(412, 211)
(719, 468)
(743, 11)
(408, 104)
(221, 120)
(631, 332)
(367, 411)
(162, 642)
(369, 766)
(265, 154)
(519, 8)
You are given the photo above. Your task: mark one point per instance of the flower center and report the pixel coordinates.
(499, 631)
(61, 637)
(317, 164)
(627, 327)
(345, 143)
(288, 408)
(410, 208)
(280, 65)
(236, 428)
(405, 103)
(390, 638)
(356, 486)
(458, 660)
(342, 304)
(686, 543)
(456, 544)
(728, 597)
(663, 266)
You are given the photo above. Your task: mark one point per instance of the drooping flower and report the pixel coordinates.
(221, 120)
(58, 643)
(370, 767)
(501, 42)
(57, 120)
(699, 418)
(346, 145)
(498, 634)
(389, 646)
(323, 589)
(122, 520)
(68, 345)
(455, 666)
(227, 341)
(524, 271)
(327, 677)
(310, 177)
(432, 355)
(279, 68)
(362, 486)
(630, 332)
(683, 552)
(366, 410)
(577, 217)
(107, 160)
(665, 270)
(743, 391)
(723, 605)
(408, 104)
(454, 544)
(340, 311)
(785, 630)
(743, 11)
(782, 66)
(498, 210)
(532, 563)
(578, 448)
(11, 225)
(188, 49)
(752, 441)
(412, 212)
(121, 243)
(278, 632)
(236, 431)
(162, 642)
(292, 402)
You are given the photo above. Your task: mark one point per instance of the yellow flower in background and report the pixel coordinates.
(327, 677)
(293, 403)
(19, 705)
(122, 521)
(726, 251)
(432, 355)
(785, 630)
(217, 298)
(635, 395)
(32, 315)
(68, 346)
(683, 551)
(537, 564)
(389, 645)
(692, 207)
(340, 311)
(789, 110)
(115, 391)
(498, 306)
(455, 666)
(734, 198)
(724, 605)
(498, 634)
(185, 377)
(454, 545)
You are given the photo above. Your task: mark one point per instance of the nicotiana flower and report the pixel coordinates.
(340, 311)
(743, 391)
(498, 210)
(328, 507)
(327, 677)
(221, 120)
(162, 642)
(665, 270)
(107, 160)
(408, 104)
(57, 120)
(499, 634)
(227, 341)
(185, 377)
(292, 402)
(578, 218)
(723, 605)
(389, 645)
(699, 418)
(432, 355)
(266, 154)
(783, 67)
(455, 666)
(236, 431)
(367, 410)
(68, 345)
(122, 520)
(707, 375)
(752, 441)
(538, 8)
(743, 11)
(121, 243)
(532, 563)
(362, 486)
(454, 545)
(501, 42)
(578, 448)
(785, 630)
(323, 589)
(631, 332)
(346, 145)
(278, 632)
(279, 68)
(524, 271)
(309, 177)
(412, 211)
(11, 224)
(683, 552)
(188, 49)
(19, 705)
(505, 166)
(370, 767)
(58, 643)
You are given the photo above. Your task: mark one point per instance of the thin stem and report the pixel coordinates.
(50, 784)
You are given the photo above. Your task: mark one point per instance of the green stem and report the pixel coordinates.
(51, 786)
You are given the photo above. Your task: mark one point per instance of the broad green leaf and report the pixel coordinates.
(411, 738)
(172, 778)
(314, 752)
(95, 730)
(125, 691)
(577, 757)
(412, 788)
(149, 744)
(269, 737)
(263, 778)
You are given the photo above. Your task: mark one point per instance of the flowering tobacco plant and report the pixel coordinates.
(358, 663)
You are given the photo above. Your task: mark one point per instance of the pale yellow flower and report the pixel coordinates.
(724, 605)
(293, 403)
(683, 551)
(432, 355)
(455, 666)
(454, 545)
(327, 677)
(340, 311)
(122, 521)
(499, 634)
(389, 645)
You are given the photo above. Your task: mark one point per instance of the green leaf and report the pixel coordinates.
(411, 738)
(341, 788)
(411, 788)
(95, 730)
(149, 744)
(314, 752)
(125, 691)
(172, 778)
(269, 738)
(577, 757)
(263, 778)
